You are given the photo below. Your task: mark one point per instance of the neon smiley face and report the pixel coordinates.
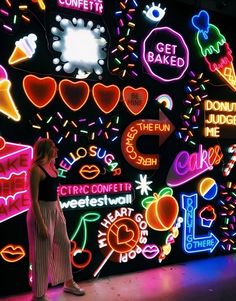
(154, 13)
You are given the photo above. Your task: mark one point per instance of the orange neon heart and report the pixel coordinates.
(74, 94)
(135, 99)
(40, 91)
(106, 97)
(124, 235)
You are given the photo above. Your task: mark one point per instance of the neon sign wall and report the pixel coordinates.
(118, 98)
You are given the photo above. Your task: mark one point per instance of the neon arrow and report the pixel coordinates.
(192, 243)
(162, 128)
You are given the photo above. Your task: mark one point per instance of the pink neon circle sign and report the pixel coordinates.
(165, 54)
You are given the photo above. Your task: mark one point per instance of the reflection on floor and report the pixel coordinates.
(212, 279)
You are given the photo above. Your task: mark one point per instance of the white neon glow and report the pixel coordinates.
(143, 184)
(155, 13)
(81, 47)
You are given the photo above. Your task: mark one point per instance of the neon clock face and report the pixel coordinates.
(76, 55)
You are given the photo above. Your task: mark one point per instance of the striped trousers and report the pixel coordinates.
(50, 257)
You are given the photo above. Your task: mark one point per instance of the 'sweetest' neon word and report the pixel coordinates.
(191, 242)
(188, 166)
(165, 54)
(92, 6)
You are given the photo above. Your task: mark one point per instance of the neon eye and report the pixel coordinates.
(154, 13)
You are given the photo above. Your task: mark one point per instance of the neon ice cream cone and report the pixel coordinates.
(214, 49)
(24, 49)
(7, 105)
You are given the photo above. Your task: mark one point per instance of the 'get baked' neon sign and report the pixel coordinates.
(165, 54)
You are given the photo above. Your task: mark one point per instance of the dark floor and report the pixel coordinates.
(212, 279)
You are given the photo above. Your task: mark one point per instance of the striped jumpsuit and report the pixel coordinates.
(50, 257)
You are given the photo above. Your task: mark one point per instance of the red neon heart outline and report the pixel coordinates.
(40, 91)
(106, 97)
(74, 94)
(133, 108)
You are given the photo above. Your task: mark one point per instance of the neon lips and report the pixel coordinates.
(188, 166)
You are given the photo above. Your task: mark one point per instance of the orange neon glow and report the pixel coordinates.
(40, 91)
(7, 105)
(41, 4)
(161, 214)
(135, 99)
(76, 252)
(89, 172)
(166, 249)
(208, 213)
(106, 97)
(74, 94)
(123, 235)
(18, 55)
(12, 253)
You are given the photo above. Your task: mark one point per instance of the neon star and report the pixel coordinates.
(143, 184)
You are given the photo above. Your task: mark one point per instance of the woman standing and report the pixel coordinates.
(48, 240)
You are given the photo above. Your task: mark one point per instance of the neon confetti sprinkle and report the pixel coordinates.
(124, 56)
(227, 216)
(196, 93)
(58, 128)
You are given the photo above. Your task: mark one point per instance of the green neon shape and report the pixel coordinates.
(165, 191)
(87, 217)
(147, 201)
(212, 43)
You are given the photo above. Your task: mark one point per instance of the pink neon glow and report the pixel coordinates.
(92, 6)
(3, 73)
(15, 160)
(94, 189)
(188, 166)
(166, 54)
(13, 185)
(223, 61)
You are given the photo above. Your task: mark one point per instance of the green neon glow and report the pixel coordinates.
(87, 217)
(147, 201)
(165, 191)
(212, 43)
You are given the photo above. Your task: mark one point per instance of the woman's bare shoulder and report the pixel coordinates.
(35, 169)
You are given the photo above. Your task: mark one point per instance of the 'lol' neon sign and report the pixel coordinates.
(165, 54)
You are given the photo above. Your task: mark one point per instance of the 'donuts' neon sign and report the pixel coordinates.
(165, 54)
